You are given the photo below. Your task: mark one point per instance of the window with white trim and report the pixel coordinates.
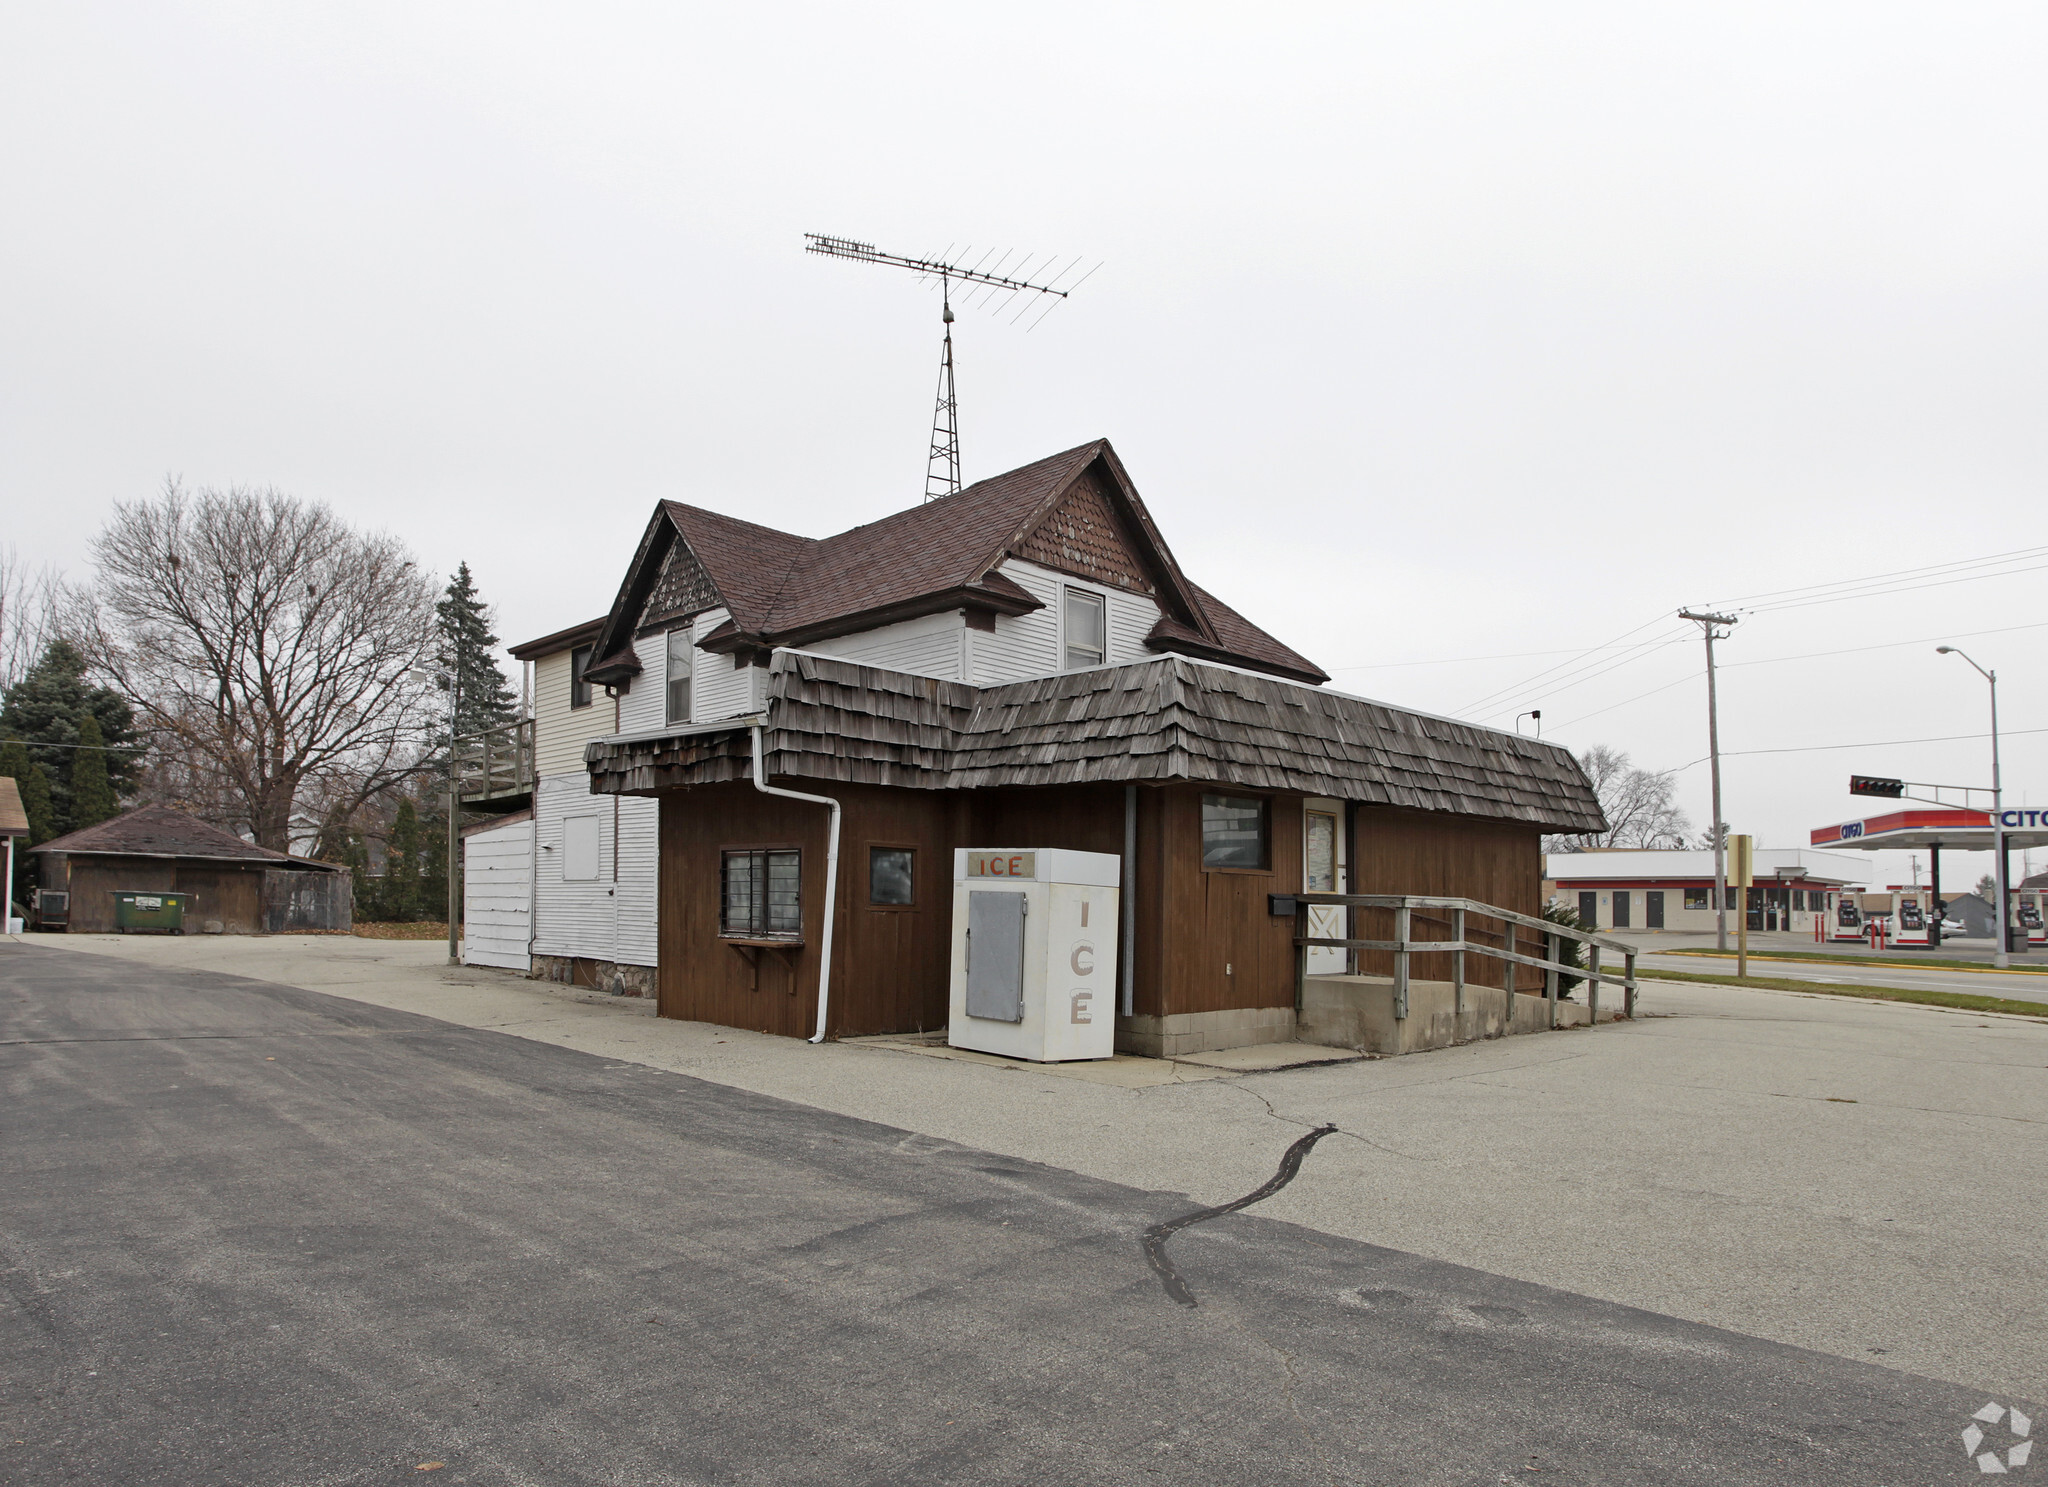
(681, 656)
(1086, 629)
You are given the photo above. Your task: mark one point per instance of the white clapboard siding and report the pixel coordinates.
(926, 646)
(609, 917)
(645, 704)
(1029, 645)
(1131, 618)
(497, 881)
(720, 689)
(636, 901)
(559, 730)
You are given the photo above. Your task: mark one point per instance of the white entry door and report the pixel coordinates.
(1322, 845)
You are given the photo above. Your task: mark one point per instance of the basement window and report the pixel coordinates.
(760, 893)
(1085, 629)
(679, 667)
(1234, 833)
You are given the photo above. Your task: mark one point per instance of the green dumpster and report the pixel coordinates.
(159, 913)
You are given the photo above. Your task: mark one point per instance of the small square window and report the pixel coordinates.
(1699, 898)
(680, 656)
(579, 689)
(892, 875)
(761, 894)
(1233, 831)
(1085, 629)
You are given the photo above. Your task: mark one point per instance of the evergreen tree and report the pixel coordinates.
(431, 899)
(92, 793)
(483, 698)
(400, 899)
(34, 785)
(45, 710)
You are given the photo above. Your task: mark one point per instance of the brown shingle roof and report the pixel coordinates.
(159, 831)
(787, 590)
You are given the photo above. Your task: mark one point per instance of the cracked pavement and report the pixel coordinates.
(1856, 1178)
(255, 1233)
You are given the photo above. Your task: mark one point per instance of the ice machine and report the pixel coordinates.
(1034, 953)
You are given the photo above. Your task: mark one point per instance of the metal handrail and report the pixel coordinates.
(1460, 944)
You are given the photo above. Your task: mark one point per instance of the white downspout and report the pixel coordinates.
(831, 878)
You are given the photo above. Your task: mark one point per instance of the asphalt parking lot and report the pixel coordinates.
(260, 1234)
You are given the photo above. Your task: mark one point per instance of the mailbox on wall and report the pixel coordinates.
(1034, 953)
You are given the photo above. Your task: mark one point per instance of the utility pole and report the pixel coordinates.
(2002, 956)
(1707, 622)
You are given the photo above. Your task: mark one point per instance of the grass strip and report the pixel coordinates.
(1944, 962)
(1962, 1001)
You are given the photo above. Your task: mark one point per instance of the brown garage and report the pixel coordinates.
(236, 887)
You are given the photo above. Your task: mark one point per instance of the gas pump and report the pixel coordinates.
(1847, 918)
(1909, 923)
(2029, 909)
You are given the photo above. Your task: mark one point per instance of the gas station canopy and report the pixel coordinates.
(1965, 831)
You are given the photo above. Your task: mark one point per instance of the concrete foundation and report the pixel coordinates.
(1358, 1012)
(599, 975)
(1203, 1032)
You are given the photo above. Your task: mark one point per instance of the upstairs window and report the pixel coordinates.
(1085, 629)
(579, 688)
(1234, 831)
(760, 893)
(680, 654)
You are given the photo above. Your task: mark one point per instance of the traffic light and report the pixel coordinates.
(1870, 784)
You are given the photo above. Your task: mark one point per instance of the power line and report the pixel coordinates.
(1888, 645)
(1878, 743)
(1806, 589)
(1517, 688)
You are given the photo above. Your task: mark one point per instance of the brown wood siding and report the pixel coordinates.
(1495, 862)
(1224, 949)
(1207, 940)
(232, 895)
(700, 978)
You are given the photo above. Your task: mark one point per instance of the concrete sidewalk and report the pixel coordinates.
(1860, 1178)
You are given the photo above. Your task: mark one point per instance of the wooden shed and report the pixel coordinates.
(237, 887)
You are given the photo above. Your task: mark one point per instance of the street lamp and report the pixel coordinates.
(454, 837)
(2001, 956)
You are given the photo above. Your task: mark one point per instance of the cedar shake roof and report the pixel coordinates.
(785, 590)
(1170, 718)
(13, 818)
(159, 831)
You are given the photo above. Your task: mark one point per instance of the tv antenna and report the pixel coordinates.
(942, 468)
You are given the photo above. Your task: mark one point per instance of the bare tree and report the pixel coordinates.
(264, 641)
(1640, 806)
(29, 600)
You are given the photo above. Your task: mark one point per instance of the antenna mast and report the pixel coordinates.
(942, 466)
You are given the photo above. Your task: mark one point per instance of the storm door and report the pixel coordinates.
(1322, 839)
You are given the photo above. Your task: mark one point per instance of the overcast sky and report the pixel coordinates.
(1428, 331)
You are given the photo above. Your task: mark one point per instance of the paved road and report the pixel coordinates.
(2020, 986)
(255, 1234)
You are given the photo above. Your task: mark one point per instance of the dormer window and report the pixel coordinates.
(1085, 629)
(680, 655)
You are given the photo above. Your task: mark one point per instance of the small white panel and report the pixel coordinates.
(580, 839)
